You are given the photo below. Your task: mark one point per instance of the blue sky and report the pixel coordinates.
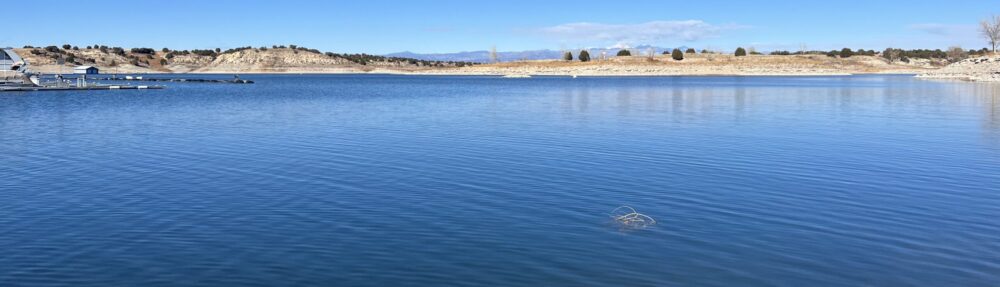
(376, 26)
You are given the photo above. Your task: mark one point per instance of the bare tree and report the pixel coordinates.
(493, 54)
(892, 54)
(991, 31)
(956, 53)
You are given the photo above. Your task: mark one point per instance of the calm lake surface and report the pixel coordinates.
(371, 180)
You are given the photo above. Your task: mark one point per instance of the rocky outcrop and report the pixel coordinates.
(981, 69)
(187, 63)
(278, 61)
(44, 61)
(248, 60)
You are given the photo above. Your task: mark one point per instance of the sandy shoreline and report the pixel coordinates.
(694, 65)
(699, 65)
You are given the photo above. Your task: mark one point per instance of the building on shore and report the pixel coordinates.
(86, 70)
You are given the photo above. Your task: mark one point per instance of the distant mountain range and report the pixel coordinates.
(484, 56)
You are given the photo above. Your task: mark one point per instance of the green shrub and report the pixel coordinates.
(624, 53)
(677, 55)
(690, 51)
(147, 51)
(204, 52)
(846, 53)
(584, 56)
(740, 52)
(234, 50)
(568, 56)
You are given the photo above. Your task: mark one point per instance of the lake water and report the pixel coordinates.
(348, 180)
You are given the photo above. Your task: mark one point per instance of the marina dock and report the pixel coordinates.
(16, 77)
(178, 80)
(74, 88)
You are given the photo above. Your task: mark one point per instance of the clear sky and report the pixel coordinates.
(378, 27)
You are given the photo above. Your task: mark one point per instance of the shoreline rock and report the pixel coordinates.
(980, 69)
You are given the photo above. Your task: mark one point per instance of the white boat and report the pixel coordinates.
(14, 70)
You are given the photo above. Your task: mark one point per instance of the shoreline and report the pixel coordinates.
(628, 66)
(390, 73)
(474, 74)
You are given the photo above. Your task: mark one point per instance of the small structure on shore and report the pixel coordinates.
(86, 70)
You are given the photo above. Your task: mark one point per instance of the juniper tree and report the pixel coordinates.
(584, 56)
(677, 55)
(740, 52)
(846, 53)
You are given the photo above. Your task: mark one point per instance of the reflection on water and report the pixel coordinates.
(480, 181)
(691, 102)
(989, 95)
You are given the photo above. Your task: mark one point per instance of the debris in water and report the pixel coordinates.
(627, 217)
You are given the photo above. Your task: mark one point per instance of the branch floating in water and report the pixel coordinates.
(627, 217)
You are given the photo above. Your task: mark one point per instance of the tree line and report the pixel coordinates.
(141, 56)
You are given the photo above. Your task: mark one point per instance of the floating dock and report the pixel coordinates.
(141, 79)
(16, 77)
(74, 88)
